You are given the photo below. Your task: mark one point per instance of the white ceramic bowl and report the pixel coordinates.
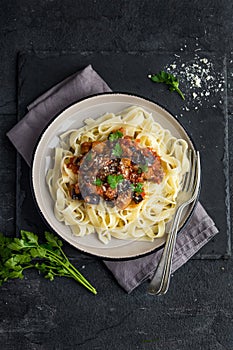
(73, 117)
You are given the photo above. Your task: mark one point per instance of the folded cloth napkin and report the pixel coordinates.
(25, 134)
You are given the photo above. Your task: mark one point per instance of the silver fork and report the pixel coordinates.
(190, 187)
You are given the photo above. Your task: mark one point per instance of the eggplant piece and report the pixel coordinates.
(155, 172)
(137, 198)
(92, 199)
(110, 203)
(75, 195)
(124, 197)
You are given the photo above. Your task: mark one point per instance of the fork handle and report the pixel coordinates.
(157, 283)
(167, 270)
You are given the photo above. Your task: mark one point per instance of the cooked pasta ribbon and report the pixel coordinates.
(143, 221)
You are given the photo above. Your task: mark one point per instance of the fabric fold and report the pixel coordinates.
(25, 134)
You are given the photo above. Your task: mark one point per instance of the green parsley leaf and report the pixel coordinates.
(38, 252)
(98, 182)
(53, 240)
(19, 244)
(117, 151)
(169, 79)
(29, 237)
(5, 253)
(50, 275)
(16, 274)
(114, 180)
(142, 168)
(16, 260)
(4, 240)
(138, 188)
(89, 156)
(115, 135)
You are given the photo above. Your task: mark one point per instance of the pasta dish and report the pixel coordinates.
(118, 176)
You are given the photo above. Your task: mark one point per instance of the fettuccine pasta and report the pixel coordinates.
(118, 176)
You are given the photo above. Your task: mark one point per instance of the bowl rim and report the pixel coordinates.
(112, 93)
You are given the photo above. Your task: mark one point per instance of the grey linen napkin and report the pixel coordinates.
(24, 136)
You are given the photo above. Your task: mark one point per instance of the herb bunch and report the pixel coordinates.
(168, 79)
(20, 254)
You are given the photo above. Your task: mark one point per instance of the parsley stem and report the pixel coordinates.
(65, 257)
(180, 93)
(73, 272)
(50, 267)
(28, 267)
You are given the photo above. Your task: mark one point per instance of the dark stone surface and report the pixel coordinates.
(197, 313)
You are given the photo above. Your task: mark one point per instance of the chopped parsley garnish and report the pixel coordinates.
(142, 168)
(115, 135)
(117, 151)
(98, 182)
(114, 180)
(167, 78)
(138, 187)
(89, 157)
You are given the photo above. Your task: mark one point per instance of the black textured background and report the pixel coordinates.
(197, 312)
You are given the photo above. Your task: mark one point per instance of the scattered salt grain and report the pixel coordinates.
(204, 60)
(197, 81)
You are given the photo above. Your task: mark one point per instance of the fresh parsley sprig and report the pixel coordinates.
(138, 188)
(143, 168)
(167, 78)
(98, 182)
(114, 180)
(19, 254)
(115, 135)
(117, 150)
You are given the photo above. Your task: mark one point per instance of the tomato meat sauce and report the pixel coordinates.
(115, 170)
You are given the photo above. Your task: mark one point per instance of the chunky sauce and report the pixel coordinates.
(115, 169)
